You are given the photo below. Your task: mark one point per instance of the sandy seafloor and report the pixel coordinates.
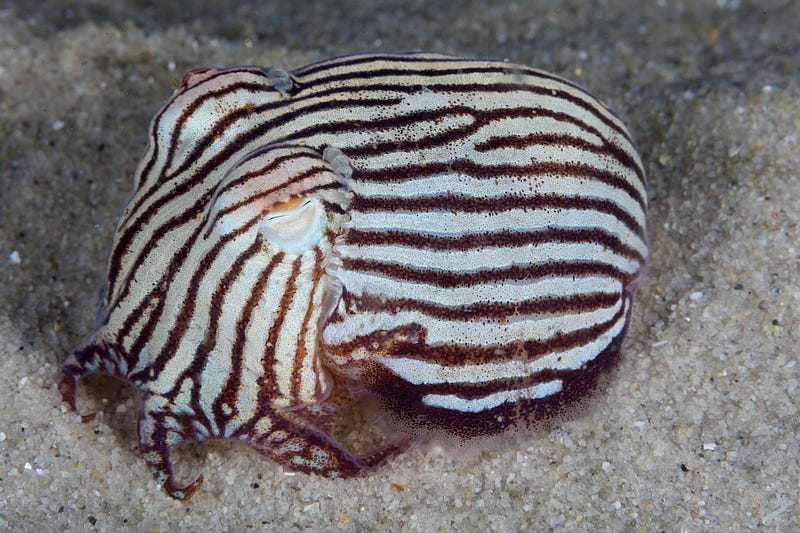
(699, 427)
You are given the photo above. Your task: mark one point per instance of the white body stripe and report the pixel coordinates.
(489, 258)
(456, 403)
(421, 372)
(444, 223)
(464, 332)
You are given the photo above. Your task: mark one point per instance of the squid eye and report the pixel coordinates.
(295, 226)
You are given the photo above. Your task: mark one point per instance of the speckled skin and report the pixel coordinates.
(228, 331)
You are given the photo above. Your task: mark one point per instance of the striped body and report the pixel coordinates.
(461, 237)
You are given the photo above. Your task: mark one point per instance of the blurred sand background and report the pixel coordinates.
(699, 428)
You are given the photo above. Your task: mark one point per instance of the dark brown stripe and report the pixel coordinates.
(125, 239)
(255, 198)
(302, 354)
(362, 59)
(230, 391)
(466, 67)
(488, 118)
(549, 139)
(472, 204)
(267, 384)
(479, 171)
(225, 122)
(149, 306)
(184, 317)
(182, 119)
(175, 265)
(449, 279)
(393, 343)
(202, 98)
(231, 147)
(481, 118)
(157, 294)
(274, 164)
(194, 371)
(190, 109)
(187, 187)
(187, 309)
(503, 238)
(124, 243)
(265, 127)
(493, 311)
(176, 261)
(341, 105)
(590, 105)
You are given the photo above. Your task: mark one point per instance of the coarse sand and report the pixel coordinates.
(698, 429)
